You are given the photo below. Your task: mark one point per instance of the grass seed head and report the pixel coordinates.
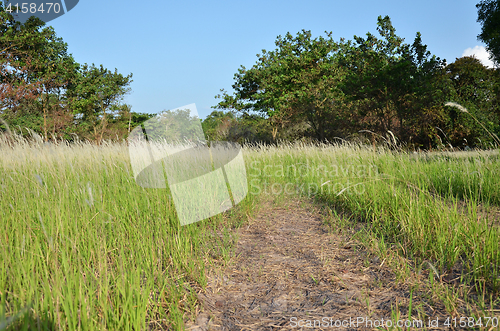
(456, 105)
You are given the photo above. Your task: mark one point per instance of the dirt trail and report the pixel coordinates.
(290, 267)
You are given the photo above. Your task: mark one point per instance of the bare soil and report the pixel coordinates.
(291, 267)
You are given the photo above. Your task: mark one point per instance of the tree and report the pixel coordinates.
(214, 123)
(43, 88)
(93, 95)
(124, 121)
(296, 82)
(14, 83)
(244, 128)
(54, 69)
(472, 80)
(474, 87)
(489, 17)
(174, 127)
(338, 88)
(14, 88)
(33, 59)
(394, 83)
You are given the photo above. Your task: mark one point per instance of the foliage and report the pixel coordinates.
(296, 81)
(316, 87)
(13, 86)
(474, 88)
(174, 127)
(94, 93)
(43, 89)
(40, 68)
(245, 128)
(305, 88)
(393, 82)
(215, 123)
(489, 17)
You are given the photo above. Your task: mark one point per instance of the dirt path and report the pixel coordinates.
(290, 268)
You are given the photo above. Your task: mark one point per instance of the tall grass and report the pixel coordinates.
(463, 175)
(83, 247)
(394, 194)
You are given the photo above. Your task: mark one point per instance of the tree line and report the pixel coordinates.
(375, 87)
(44, 90)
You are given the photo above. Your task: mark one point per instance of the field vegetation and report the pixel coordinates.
(397, 146)
(85, 247)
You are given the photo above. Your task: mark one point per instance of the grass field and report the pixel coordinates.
(83, 247)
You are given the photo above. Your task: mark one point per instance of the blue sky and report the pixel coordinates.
(185, 52)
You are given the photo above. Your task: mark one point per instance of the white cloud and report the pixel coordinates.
(481, 54)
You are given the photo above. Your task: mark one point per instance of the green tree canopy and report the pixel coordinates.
(489, 17)
(338, 88)
(33, 59)
(45, 90)
(94, 93)
(393, 82)
(175, 126)
(475, 87)
(297, 81)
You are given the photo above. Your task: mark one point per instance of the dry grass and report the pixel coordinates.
(289, 265)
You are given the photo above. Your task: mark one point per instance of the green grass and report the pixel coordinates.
(83, 247)
(473, 175)
(394, 194)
